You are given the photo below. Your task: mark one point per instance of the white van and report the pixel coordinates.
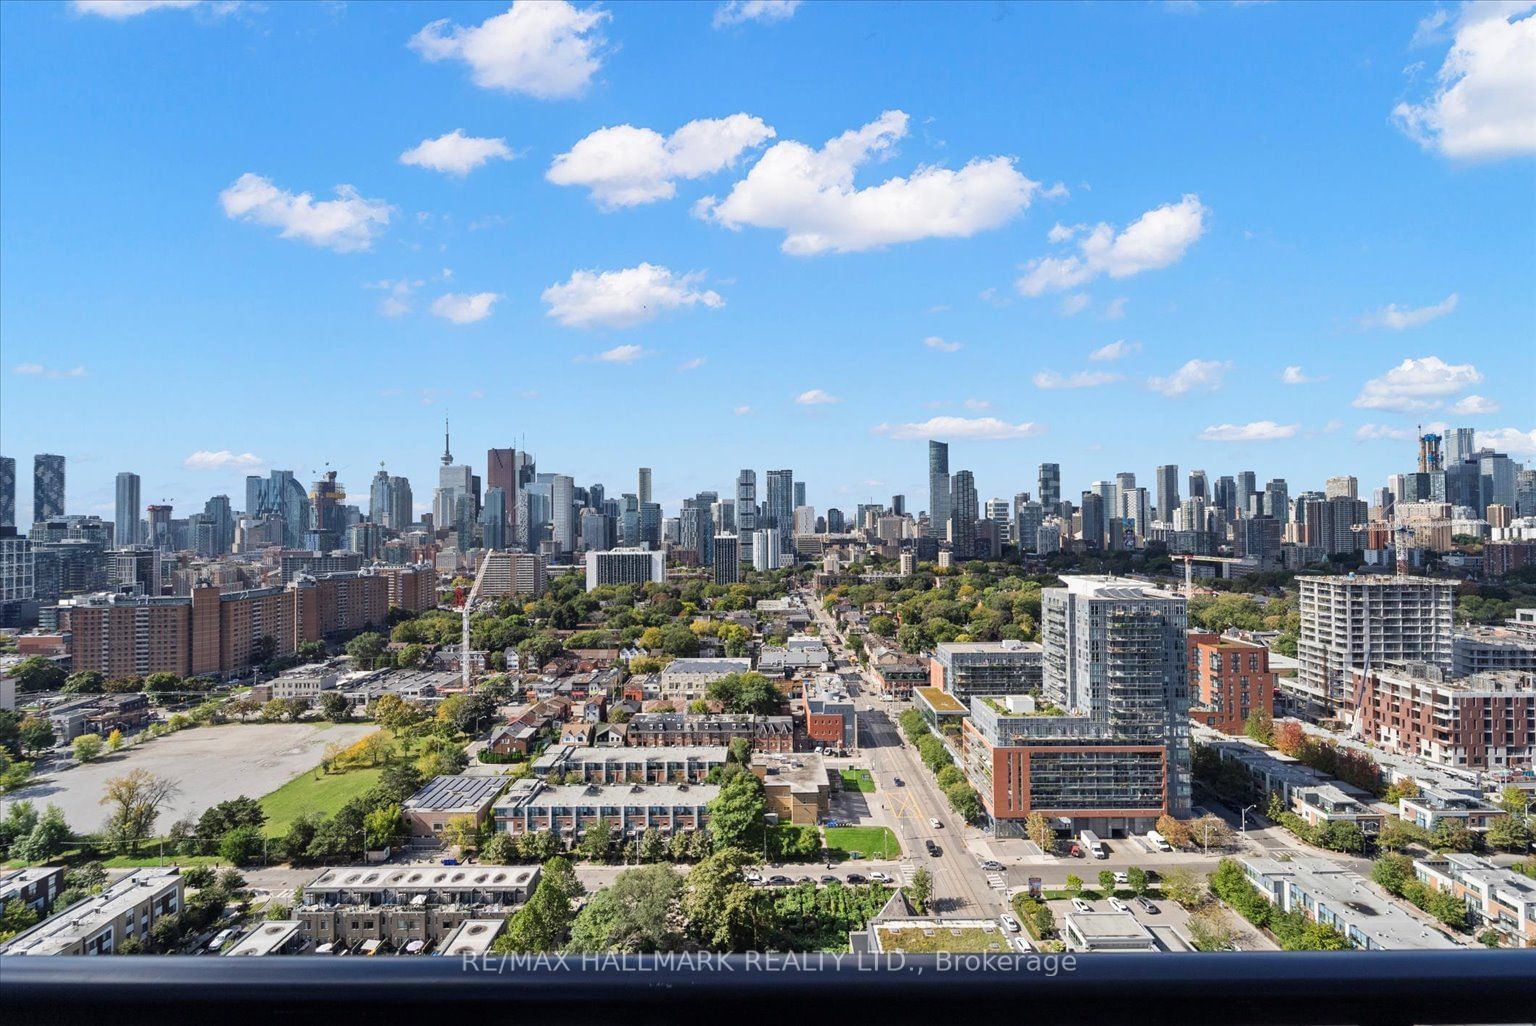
(1157, 842)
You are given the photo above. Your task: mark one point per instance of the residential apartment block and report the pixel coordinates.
(1501, 899)
(1485, 721)
(765, 733)
(675, 765)
(1330, 894)
(532, 806)
(1347, 620)
(102, 923)
(993, 668)
(1229, 680)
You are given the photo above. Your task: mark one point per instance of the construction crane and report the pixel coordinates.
(469, 605)
(1394, 546)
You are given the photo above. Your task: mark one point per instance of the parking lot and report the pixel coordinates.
(209, 765)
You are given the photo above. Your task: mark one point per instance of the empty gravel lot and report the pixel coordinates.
(209, 764)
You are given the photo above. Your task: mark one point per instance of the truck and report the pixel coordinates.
(1157, 842)
(1092, 845)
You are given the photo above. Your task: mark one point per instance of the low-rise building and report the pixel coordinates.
(828, 714)
(764, 733)
(35, 888)
(275, 937)
(1482, 649)
(1106, 931)
(801, 652)
(673, 765)
(532, 806)
(688, 679)
(102, 923)
(447, 798)
(1500, 898)
(1431, 807)
(1330, 803)
(797, 788)
(1330, 894)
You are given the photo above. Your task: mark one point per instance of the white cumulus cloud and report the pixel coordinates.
(122, 10)
(742, 411)
(969, 428)
(1074, 304)
(547, 49)
(943, 346)
(1415, 385)
(1117, 350)
(1080, 379)
(737, 12)
(38, 370)
(1483, 106)
(345, 224)
(1156, 239)
(1511, 441)
(222, 459)
(816, 397)
(455, 153)
(623, 299)
(1256, 431)
(1293, 375)
(1194, 376)
(464, 307)
(1474, 406)
(693, 364)
(811, 196)
(1396, 318)
(618, 354)
(624, 166)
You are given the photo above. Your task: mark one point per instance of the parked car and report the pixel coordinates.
(219, 940)
(878, 877)
(1009, 923)
(752, 878)
(1121, 880)
(992, 865)
(1079, 905)
(1147, 905)
(1118, 905)
(854, 878)
(935, 822)
(778, 881)
(829, 879)
(1075, 852)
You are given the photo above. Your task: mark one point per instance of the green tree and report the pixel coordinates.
(920, 889)
(241, 846)
(1183, 887)
(1039, 830)
(365, 648)
(47, 838)
(1074, 884)
(634, 914)
(35, 673)
(383, 826)
(85, 682)
(736, 814)
(36, 734)
(1393, 872)
(1107, 881)
(541, 924)
(1260, 726)
(335, 707)
(597, 843)
(1136, 879)
(722, 911)
(15, 917)
(87, 747)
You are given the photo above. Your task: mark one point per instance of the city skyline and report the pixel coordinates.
(1260, 315)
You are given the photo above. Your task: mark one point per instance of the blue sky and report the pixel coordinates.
(1227, 191)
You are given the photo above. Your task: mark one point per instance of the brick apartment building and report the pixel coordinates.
(213, 632)
(1228, 680)
(765, 733)
(1485, 721)
(412, 588)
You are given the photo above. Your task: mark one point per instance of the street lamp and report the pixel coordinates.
(1244, 814)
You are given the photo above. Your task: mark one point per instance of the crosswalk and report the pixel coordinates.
(997, 882)
(907, 872)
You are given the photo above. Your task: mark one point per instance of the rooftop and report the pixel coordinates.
(446, 794)
(266, 938)
(405, 878)
(1356, 904)
(84, 918)
(720, 666)
(531, 793)
(940, 701)
(1009, 646)
(1108, 587)
(472, 937)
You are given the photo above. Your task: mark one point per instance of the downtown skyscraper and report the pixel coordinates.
(938, 487)
(781, 506)
(126, 531)
(47, 486)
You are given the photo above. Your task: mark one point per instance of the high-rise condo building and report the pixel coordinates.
(563, 515)
(727, 559)
(799, 493)
(380, 505)
(1343, 485)
(1093, 521)
(938, 487)
(1460, 444)
(643, 486)
(401, 503)
(493, 519)
(963, 514)
(1106, 743)
(47, 486)
(781, 509)
(626, 566)
(746, 502)
(1166, 480)
(1050, 485)
(1349, 620)
(1247, 487)
(1199, 487)
(126, 522)
(7, 492)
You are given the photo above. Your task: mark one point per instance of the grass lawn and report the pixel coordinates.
(917, 940)
(874, 842)
(858, 780)
(308, 792)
